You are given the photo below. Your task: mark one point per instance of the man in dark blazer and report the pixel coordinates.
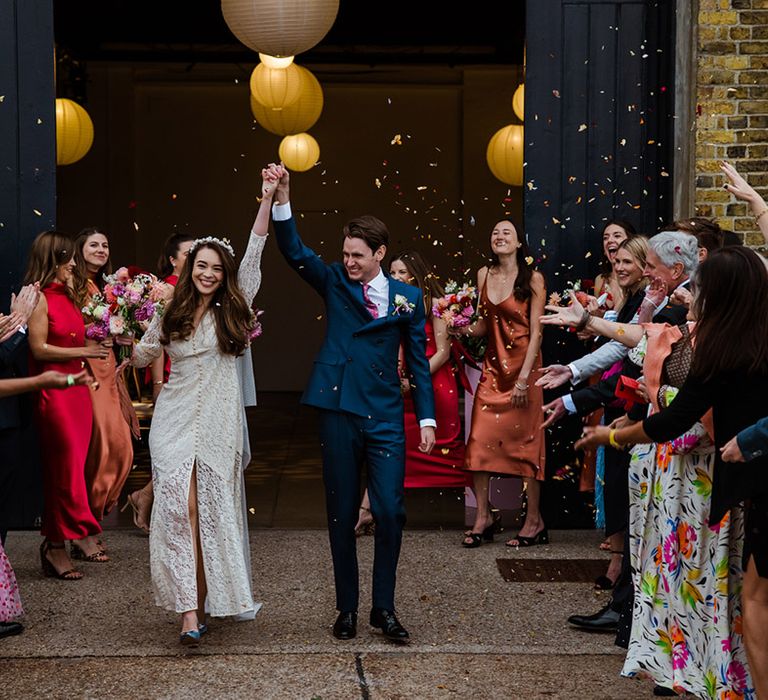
(356, 385)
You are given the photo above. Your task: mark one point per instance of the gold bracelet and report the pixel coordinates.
(160, 381)
(612, 440)
(758, 216)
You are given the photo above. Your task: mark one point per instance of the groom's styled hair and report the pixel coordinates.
(370, 229)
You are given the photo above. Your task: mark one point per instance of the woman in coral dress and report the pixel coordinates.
(64, 418)
(505, 436)
(110, 455)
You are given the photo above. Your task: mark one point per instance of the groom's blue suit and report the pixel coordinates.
(356, 384)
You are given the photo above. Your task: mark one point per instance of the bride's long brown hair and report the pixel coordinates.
(230, 311)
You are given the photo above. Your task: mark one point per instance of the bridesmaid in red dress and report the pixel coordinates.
(169, 266)
(444, 466)
(110, 455)
(57, 342)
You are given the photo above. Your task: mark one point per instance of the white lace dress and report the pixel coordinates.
(198, 422)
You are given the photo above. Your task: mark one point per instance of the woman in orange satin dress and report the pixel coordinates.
(64, 417)
(110, 454)
(505, 436)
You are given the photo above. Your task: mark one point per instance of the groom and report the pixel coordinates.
(356, 386)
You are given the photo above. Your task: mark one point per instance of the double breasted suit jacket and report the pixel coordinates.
(356, 368)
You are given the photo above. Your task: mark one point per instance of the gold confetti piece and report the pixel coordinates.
(396, 141)
(135, 225)
(2, 98)
(252, 511)
(39, 213)
(588, 255)
(378, 183)
(582, 127)
(555, 221)
(421, 187)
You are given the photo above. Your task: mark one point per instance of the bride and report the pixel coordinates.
(199, 533)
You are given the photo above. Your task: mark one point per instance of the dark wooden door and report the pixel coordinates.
(598, 129)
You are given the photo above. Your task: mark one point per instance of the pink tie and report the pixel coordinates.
(369, 304)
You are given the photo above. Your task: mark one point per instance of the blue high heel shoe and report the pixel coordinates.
(190, 639)
(202, 629)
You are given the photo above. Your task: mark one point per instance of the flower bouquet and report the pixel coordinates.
(255, 329)
(123, 308)
(456, 306)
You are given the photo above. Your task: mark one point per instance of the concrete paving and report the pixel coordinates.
(473, 634)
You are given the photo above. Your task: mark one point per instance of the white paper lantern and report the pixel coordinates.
(299, 152)
(505, 154)
(298, 117)
(280, 27)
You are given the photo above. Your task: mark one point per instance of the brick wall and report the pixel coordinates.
(732, 107)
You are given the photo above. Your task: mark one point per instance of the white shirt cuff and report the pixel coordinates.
(568, 403)
(427, 423)
(574, 374)
(281, 212)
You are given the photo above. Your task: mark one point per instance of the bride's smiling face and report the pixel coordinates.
(207, 271)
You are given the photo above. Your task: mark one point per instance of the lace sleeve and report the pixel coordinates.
(149, 347)
(249, 274)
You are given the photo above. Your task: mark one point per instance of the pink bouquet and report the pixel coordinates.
(123, 308)
(456, 307)
(255, 330)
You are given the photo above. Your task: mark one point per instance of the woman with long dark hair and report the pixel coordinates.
(615, 232)
(57, 342)
(443, 467)
(110, 454)
(505, 437)
(198, 534)
(729, 374)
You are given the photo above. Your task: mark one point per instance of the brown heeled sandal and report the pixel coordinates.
(76, 552)
(49, 570)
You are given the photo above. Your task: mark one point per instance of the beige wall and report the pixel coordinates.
(166, 130)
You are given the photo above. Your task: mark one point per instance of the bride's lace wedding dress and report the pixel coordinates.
(198, 425)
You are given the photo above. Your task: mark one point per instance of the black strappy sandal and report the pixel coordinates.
(49, 570)
(541, 537)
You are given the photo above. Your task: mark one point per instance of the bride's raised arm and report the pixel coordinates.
(249, 273)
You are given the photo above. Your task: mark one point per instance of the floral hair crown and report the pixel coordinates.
(223, 242)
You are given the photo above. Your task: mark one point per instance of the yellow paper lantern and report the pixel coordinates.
(280, 27)
(298, 117)
(276, 88)
(299, 152)
(74, 132)
(518, 102)
(505, 154)
(274, 61)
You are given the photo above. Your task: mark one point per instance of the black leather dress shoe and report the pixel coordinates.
(10, 628)
(605, 620)
(345, 626)
(386, 621)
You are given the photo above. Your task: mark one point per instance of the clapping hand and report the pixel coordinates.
(682, 297)
(656, 291)
(570, 315)
(554, 376)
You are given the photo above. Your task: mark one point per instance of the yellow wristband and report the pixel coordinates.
(612, 440)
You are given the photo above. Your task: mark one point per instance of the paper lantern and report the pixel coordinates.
(299, 152)
(74, 132)
(276, 88)
(505, 154)
(274, 61)
(518, 102)
(298, 117)
(280, 27)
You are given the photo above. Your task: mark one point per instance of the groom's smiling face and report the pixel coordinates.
(362, 263)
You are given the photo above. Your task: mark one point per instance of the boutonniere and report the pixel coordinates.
(402, 306)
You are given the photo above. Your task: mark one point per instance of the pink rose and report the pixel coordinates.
(122, 274)
(117, 325)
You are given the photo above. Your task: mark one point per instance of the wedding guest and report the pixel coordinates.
(13, 351)
(615, 232)
(57, 342)
(729, 374)
(443, 467)
(110, 454)
(10, 601)
(505, 436)
(198, 534)
(169, 265)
